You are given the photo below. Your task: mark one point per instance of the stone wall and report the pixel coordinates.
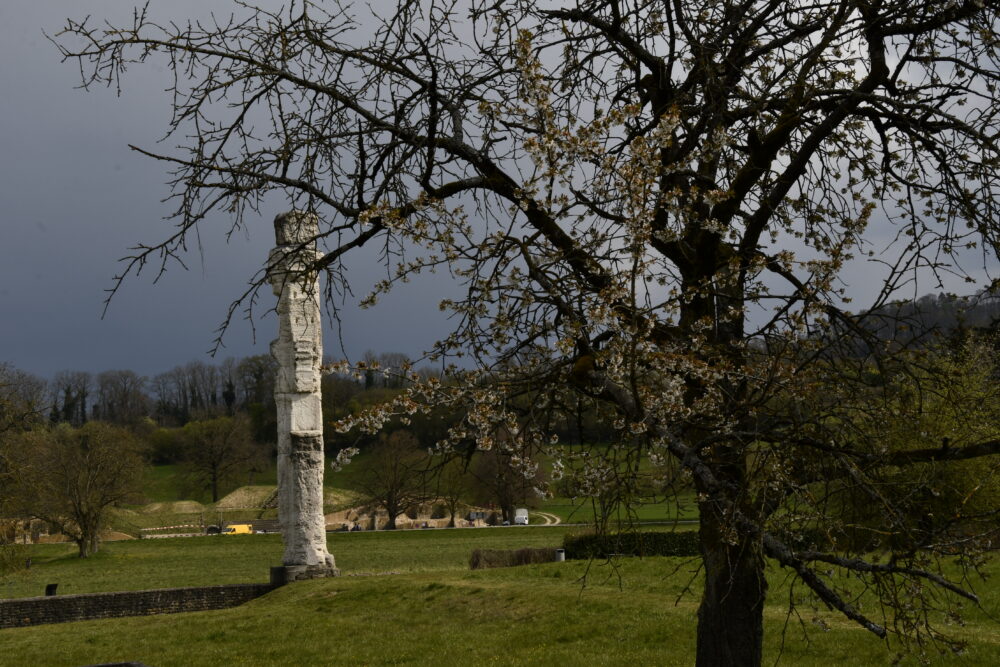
(20, 612)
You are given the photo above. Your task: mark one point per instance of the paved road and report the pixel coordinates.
(548, 519)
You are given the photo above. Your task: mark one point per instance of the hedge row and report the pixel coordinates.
(488, 558)
(648, 543)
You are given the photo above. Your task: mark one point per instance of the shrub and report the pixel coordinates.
(482, 559)
(12, 560)
(647, 543)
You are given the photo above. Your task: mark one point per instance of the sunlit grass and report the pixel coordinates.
(218, 559)
(581, 510)
(408, 597)
(633, 614)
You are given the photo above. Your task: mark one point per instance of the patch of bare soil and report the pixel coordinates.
(342, 498)
(176, 507)
(246, 497)
(361, 516)
(114, 536)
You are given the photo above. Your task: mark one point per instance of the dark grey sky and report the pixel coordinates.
(74, 198)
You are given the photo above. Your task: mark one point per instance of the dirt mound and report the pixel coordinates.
(113, 536)
(246, 496)
(177, 507)
(340, 498)
(361, 516)
(348, 516)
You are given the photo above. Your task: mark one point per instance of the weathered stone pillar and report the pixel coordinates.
(299, 352)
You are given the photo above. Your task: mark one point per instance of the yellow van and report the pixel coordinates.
(238, 529)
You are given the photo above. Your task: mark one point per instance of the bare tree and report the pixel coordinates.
(173, 404)
(499, 478)
(651, 205)
(217, 450)
(71, 477)
(227, 373)
(121, 397)
(70, 391)
(205, 387)
(392, 476)
(255, 380)
(22, 397)
(453, 485)
(395, 369)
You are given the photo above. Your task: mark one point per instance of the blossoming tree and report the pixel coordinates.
(653, 209)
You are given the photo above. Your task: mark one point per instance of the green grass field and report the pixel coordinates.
(582, 510)
(204, 561)
(170, 483)
(433, 612)
(408, 597)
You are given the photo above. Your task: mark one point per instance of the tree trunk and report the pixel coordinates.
(731, 613)
(393, 510)
(88, 543)
(730, 617)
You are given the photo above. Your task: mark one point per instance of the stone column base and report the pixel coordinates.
(286, 574)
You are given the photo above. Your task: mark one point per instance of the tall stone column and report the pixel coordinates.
(299, 352)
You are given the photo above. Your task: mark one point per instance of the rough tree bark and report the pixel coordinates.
(730, 615)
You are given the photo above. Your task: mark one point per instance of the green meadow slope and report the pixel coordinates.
(409, 598)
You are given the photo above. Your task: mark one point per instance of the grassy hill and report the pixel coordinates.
(434, 612)
(170, 483)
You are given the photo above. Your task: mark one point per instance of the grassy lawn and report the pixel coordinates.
(407, 597)
(162, 484)
(169, 483)
(582, 511)
(439, 613)
(204, 561)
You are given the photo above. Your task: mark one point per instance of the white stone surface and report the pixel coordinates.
(299, 353)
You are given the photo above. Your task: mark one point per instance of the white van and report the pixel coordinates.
(521, 517)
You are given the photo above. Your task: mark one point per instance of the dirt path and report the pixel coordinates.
(548, 519)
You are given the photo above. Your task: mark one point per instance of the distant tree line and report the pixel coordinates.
(928, 321)
(218, 422)
(185, 393)
(77, 445)
(244, 387)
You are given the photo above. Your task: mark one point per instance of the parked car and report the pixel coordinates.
(521, 517)
(238, 529)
